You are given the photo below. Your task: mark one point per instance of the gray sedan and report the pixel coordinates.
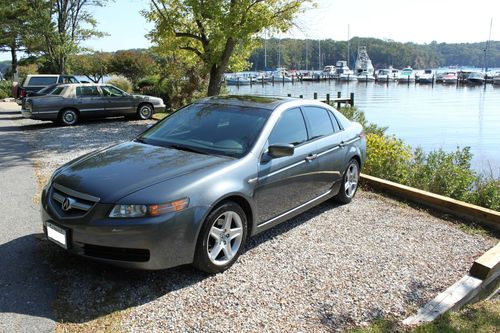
(194, 187)
(67, 103)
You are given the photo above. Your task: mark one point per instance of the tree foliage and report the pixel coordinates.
(12, 25)
(134, 65)
(93, 65)
(60, 26)
(220, 34)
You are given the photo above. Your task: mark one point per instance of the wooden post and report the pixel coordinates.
(301, 96)
(238, 81)
(352, 99)
(293, 79)
(289, 95)
(262, 79)
(315, 95)
(283, 78)
(328, 99)
(339, 94)
(273, 80)
(251, 82)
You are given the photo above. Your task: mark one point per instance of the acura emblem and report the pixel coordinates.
(67, 204)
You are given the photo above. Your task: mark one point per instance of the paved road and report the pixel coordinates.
(26, 292)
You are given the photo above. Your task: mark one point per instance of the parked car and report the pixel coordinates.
(67, 103)
(34, 83)
(192, 188)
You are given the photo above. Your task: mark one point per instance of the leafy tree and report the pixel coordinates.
(93, 65)
(60, 26)
(134, 65)
(218, 33)
(12, 22)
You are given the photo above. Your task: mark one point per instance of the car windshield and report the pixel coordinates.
(209, 129)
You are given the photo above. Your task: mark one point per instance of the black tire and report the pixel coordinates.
(345, 194)
(145, 111)
(68, 117)
(206, 243)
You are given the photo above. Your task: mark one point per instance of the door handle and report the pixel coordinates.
(342, 144)
(311, 157)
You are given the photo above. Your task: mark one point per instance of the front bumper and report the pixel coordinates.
(142, 243)
(159, 108)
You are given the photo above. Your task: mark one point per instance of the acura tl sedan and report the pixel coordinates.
(67, 103)
(193, 188)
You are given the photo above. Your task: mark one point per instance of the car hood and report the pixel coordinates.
(115, 172)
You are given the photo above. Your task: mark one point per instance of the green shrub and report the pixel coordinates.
(487, 192)
(121, 82)
(5, 89)
(387, 157)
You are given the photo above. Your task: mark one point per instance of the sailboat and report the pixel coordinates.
(343, 71)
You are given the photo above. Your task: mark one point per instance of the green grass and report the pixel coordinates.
(482, 317)
(160, 116)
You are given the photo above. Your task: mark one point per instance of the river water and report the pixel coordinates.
(429, 116)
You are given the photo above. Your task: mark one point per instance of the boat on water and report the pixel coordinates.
(387, 74)
(476, 78)
(406, 75)
(363, 67)
(280, 75)
(238, 80)
(427, 76)
(449, 77)
(496, 78)
(328, 71)
(343, 72)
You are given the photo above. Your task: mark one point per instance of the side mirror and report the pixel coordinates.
(281, 150)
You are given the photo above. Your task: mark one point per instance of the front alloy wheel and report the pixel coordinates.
(222, 238)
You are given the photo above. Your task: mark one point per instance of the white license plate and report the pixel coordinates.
(57, 235)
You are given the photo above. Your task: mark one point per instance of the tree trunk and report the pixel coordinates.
(216, 72)
(215, 82)
(13, 53)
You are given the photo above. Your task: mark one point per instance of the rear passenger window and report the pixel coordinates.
(42, 80)
(335, 123)
(291, 128)
(87, 91)
(319, 121)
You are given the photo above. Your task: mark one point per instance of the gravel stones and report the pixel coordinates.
(329, 269)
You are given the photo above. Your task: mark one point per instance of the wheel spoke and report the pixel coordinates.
(215, 233)
(227, 221)
(233, 233)
(228, 251)
(214, 252)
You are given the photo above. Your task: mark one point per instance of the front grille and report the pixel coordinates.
(70, 203)
(116, 253)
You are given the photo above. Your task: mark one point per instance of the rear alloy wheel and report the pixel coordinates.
(68, 117)
(145, 112)
(221, 239)
(349, 183)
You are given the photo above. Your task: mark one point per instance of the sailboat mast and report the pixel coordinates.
(279, 53)
(265, 51)
(348, 43)
(487, 48)
(319, 54)
(306, 55)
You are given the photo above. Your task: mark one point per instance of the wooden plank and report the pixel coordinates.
(487, 265)
(451, 206)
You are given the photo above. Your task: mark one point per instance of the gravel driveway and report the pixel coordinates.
(329, 269)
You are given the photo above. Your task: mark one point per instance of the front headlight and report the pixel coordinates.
(122, 211)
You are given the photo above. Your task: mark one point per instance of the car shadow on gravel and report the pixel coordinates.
(88, 290)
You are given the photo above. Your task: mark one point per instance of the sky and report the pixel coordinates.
(419, 21)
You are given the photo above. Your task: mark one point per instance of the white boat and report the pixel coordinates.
(496, 78)
(279, 75)
(450, 77)
(238, 81)
(406, 75)
(343, 73)
(427, 76)
(363, 66)
(476, 78)
(328, 71)
(387, 75)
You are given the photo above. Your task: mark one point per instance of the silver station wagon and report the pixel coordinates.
(68, 103)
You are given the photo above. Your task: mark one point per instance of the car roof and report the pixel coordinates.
(263, 102)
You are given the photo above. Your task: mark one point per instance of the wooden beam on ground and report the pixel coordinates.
(477, 214)
(487, 265)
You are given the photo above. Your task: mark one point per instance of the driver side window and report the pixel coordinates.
(290, 129)
(111, 91)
